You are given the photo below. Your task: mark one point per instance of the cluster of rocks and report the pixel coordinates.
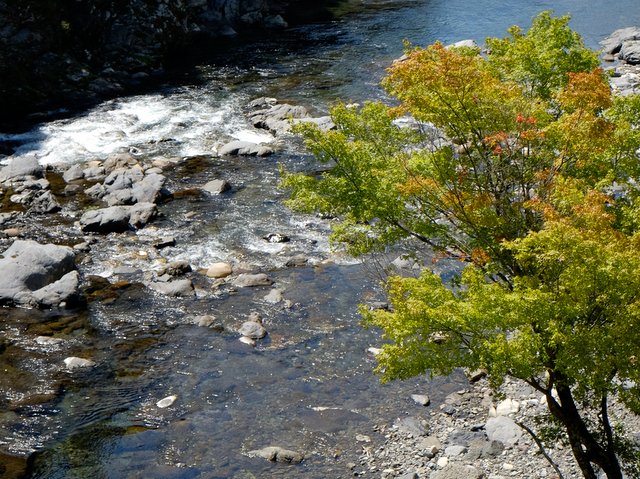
(623, 47)
(472, 435)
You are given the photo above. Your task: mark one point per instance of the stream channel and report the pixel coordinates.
(309, 386)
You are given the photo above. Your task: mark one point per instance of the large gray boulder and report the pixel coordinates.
(117, 219)
(613, 43)
(37, 275)
(630, 52)
(275, 117)
(21, 169)
(504, 430)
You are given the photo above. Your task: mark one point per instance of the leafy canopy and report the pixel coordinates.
(521, 164)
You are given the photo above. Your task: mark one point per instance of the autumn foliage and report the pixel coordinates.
(520, 163)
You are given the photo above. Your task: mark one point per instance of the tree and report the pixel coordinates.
(521, 164)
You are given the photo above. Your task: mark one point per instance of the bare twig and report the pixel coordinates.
(541, 447)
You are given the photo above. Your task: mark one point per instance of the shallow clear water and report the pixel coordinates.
(310, 384)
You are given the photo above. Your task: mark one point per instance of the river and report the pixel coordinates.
(310, 385)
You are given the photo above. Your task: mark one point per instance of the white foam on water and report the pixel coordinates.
(253, 136)
(193, 121)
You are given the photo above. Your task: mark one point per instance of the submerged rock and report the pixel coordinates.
(78, 363)
(179, 287)
(166, 402)
(248, 280)
(216, 187)
(277, 454)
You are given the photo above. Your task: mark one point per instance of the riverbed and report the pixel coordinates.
(308, 386)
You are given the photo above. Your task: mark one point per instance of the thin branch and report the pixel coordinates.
(541, 447)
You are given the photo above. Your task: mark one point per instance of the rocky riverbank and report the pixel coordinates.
(125, 220)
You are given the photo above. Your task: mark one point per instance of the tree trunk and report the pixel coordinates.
(586, 449)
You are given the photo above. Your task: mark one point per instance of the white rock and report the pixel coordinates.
(421, 399)
(48, 340)
(73, 362)
(166, 402)
(249, 341)
(374, 351)
(508, 406)
(219, 270)
(442, 462)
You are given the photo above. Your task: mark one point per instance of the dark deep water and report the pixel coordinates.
(310, 385)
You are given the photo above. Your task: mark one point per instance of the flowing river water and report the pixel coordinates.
(310, 385)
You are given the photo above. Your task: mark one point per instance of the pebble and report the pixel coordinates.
(73, 362)
(219, 270)
(421, 399)
(166, 402)
(246, 340)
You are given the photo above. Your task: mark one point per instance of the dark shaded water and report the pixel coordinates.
(310, 385)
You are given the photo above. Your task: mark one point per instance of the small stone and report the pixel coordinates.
(48, 341)
(253, 330)
(166, 402)
(274, 296)
(374, 351)
(508, 467)
(219, 270)
(455, 450)
(442, 462)
(421, 399)
(247, 280)
(75, 363)
(12, 232)
(249, 341)
(362, 438)
(217, 187)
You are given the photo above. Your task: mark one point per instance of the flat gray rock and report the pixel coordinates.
(457, 471)
(504, 430)
(74, 362)
(21, 169)
(117, 219)
(630, 52)
(245, 148)
(216, 187)
(59, 291)
(277, 454)
(179, 288)
(411, 425)
(247, 280)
